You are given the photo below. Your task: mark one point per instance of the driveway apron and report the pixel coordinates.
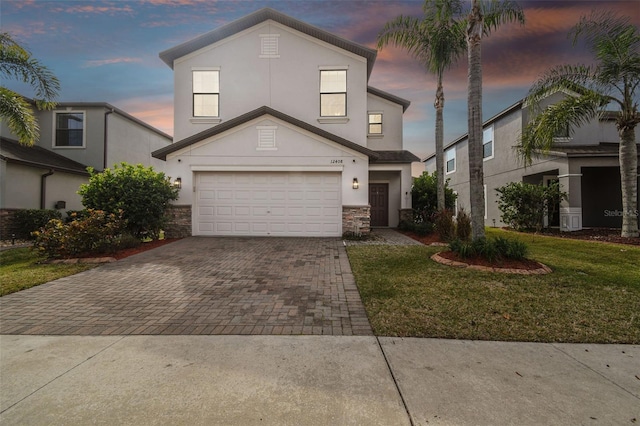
(277, 286)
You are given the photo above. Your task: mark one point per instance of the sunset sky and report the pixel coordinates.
(107, 51)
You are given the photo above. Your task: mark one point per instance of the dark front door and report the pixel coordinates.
(379, 200)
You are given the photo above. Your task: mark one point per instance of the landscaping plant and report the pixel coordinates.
(424, 197)
(30, 220)
(141, 193)
(524, 205)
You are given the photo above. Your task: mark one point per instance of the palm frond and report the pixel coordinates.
(538, 135)
(498, 12)
(19, 116)
(16, 62)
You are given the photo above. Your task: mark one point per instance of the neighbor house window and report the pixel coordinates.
(206, 93)
(563, 133)
(375, 123)
(69, 129)
(450, 159)
(333, 93)
(487, 143)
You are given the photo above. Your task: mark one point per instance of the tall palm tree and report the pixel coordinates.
(483, 18)
(17, 63)
(437, 41)
(612, 79)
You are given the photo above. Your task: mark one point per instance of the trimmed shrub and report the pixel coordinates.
(424, 197)
(28, 221)
(99, 232)
(523, 205)
(420, 229)
(140, 192)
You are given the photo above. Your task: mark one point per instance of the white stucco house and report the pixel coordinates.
(277, 133)
(73, 137)
(585, 162)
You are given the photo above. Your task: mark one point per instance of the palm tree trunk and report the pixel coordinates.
(629, 180)
(439, 106)
(476, 179)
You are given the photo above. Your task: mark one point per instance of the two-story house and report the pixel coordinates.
(73, 137)
(278, 133)
(584, 162)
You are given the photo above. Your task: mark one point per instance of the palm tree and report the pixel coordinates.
(437, 41)
(16, 62)
(483, 17)
(612, 79)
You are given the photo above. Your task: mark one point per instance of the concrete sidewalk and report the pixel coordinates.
(313, 380)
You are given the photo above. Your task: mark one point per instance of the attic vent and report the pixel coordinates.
(269, 46)
(266, 138)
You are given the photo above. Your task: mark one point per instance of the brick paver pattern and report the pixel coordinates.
(203, 285)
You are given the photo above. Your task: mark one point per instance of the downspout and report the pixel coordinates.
(43, 188)
(106, 135)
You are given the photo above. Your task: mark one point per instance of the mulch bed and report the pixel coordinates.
(121, 254)
(605, 235)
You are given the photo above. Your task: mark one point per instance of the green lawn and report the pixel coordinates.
(20, 269)
(593, 294)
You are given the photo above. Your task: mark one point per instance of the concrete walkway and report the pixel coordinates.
(313, 380)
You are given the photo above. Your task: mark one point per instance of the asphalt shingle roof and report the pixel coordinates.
(35, 156)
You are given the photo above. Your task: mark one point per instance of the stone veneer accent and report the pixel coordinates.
(7, 224)
(356, 219)
(406, 215)
(178, 221)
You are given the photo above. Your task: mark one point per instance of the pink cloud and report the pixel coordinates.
(101, 62)
(158, 111)
(98, 9)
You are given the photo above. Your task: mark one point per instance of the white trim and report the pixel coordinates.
(214, 168)
(84, 128)
(333, 120)
(570, 219)
(333, 67)
(486, 204)
(205, 68)
(493, 143)
(205, 120)
(570, 175)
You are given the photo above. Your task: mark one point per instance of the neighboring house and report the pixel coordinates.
(585, 163)
(73, 136)
(278, 133)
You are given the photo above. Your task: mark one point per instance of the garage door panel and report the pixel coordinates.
(268, 203)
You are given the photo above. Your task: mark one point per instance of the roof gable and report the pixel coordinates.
(256, 113)
(388, 96)
(255, 18)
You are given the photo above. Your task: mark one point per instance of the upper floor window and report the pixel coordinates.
(333, 93)
(487, 143)
(562, 134)
(69, 129)
(206, 93)
(450, 160)
(375, 123)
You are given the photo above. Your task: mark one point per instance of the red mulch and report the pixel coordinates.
(121, 254)
(605, 235)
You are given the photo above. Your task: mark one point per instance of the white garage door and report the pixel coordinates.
(268, 203)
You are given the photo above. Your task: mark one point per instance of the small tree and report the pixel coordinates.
(425, 199)
(140, 192)
(524, 205)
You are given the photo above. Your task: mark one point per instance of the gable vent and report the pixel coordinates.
(269, 46)
(266, 138)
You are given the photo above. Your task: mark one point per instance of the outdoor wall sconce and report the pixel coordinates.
(356, 185)
(177, 183)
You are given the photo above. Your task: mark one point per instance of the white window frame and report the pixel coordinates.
(485, 140)
(193, 93)
(446, 155)
(334, 118)
(55, 129)
(369, 123)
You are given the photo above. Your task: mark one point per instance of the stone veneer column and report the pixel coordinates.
(178, 221)
(406, 215)
(356, 219)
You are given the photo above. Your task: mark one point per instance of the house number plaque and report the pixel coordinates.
(336, 161)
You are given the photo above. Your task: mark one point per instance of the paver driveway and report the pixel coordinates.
(201, 286)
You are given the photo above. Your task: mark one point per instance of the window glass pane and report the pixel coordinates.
(375, 118)
(333, 81)
(451, 165)
(450, 154)
(206, 82)
(333, 105)
(375, 128)
(487, 135)
(69, 129)
(487, 150)
(205, 105)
